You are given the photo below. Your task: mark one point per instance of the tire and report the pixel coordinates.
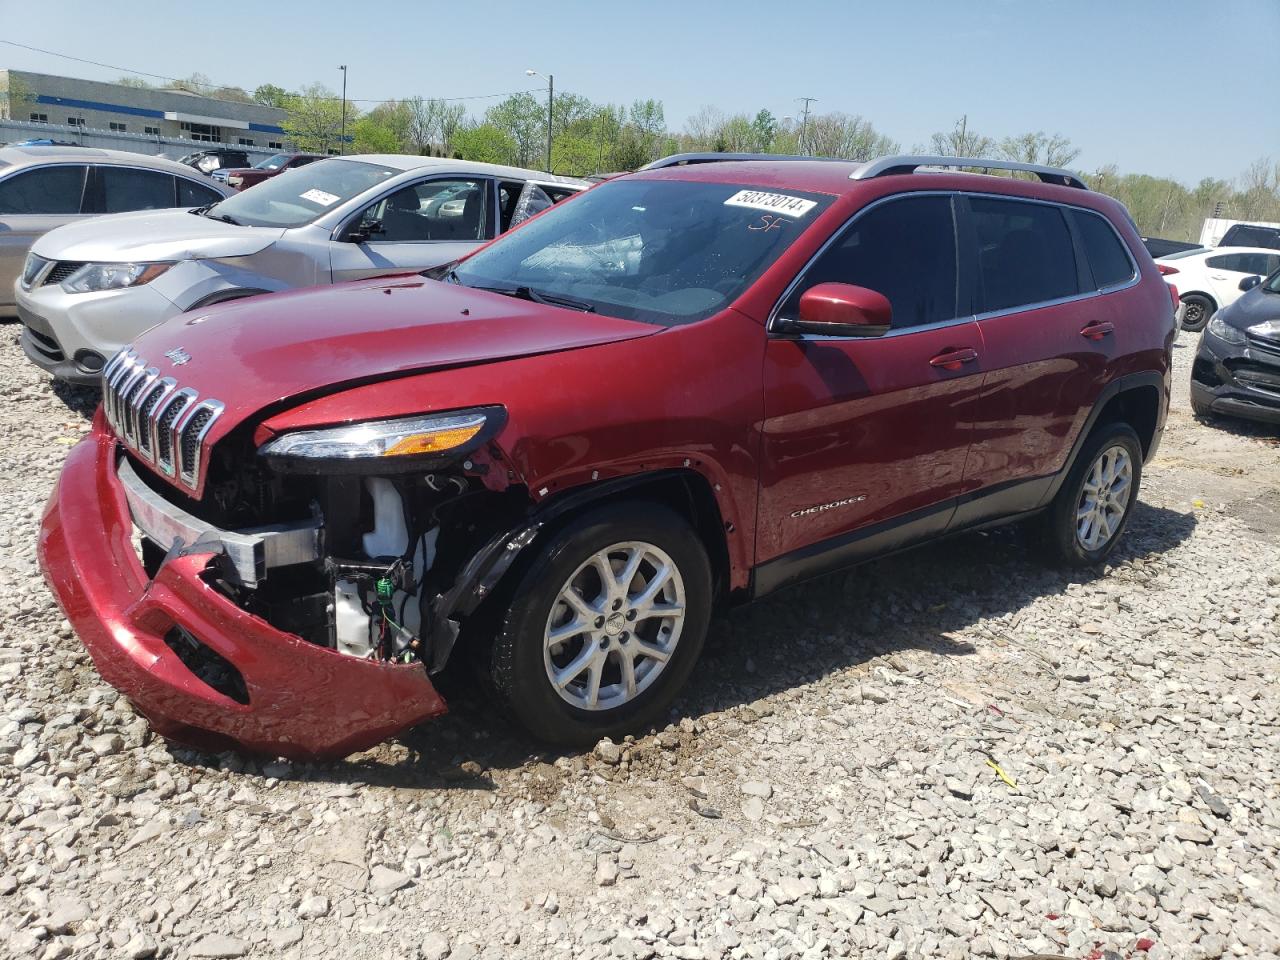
(1196, 311)
(1061, 525)
(1201, 409)
(520, 663)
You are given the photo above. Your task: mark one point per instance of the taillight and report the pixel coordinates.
(1166, 270)
(1173, 294)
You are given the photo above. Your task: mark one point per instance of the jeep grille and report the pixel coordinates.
(162, 423)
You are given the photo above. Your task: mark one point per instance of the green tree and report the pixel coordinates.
(765, 130)
(384, 129)
(314, 118)
(269, 95)
(138, 82)
(848, 136)
(484, 142)
(524, 122)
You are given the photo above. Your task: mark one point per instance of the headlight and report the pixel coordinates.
(1223, 330)
(112, 276)
(397, 444)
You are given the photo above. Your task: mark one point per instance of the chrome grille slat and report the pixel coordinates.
(160, 421)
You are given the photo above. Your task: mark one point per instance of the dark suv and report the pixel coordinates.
(679, 390)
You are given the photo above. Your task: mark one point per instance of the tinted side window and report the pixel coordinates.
(53, 190)
(1025, 254)
(1106, 255)
(1270, 264)
(1245, 235)
(195, 194)
(904, 249)
(124, 189)
(1228, 261)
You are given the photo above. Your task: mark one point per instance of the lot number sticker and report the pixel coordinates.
(320, 197)
(773, 202)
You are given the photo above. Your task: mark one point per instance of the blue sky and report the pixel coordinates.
(1112, 76)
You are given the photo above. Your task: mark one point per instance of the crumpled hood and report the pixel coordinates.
(1254, 307)
(252, 354)
(153, 235)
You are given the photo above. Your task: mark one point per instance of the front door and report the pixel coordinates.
(864, 440)
(418, 226)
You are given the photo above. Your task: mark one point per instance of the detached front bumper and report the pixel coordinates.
(1237, 380)
(299, 700)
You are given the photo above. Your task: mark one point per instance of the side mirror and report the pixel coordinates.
(1248, 283)
(365, 231)
(843, 310)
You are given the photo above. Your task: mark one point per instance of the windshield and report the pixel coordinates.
(300, 195)
(272, 163)
(660, 251)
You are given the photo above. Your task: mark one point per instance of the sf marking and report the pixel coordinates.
(824, 507)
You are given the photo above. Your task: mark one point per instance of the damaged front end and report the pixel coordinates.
(359, 538)
(298, 602)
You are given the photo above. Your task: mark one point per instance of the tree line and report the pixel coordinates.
(591, 137)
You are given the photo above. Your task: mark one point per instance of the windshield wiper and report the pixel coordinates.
(201, 211)
(551, 299)
(224, 218)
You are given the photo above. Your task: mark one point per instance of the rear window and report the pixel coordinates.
(1106, 254)
(1247, 235)
(1025, 254)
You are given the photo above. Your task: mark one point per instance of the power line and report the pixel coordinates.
(216, 86)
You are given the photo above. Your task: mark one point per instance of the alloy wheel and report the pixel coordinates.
(1104, 498)
(614, 626)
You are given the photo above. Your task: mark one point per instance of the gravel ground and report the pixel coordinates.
(949, 754)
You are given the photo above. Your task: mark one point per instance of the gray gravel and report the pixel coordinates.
(951, 754)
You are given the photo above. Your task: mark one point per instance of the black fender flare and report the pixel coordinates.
(491, 562)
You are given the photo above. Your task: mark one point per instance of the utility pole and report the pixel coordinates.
(342, 143)
(804, 124)
(551, 99)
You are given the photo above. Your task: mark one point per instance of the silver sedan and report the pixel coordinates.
(89, 289)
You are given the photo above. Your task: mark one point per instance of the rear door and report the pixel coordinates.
(32, 202)
(1226, 270)
(424, 224)
(864, 440)
(1042, 272)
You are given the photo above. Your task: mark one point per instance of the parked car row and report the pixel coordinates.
(89, 288)
(681, 390)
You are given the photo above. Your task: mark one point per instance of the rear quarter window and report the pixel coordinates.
(1103, 249)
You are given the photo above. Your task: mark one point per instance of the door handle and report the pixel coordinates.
(1096, 331)
(1218, 276)
(954, 359)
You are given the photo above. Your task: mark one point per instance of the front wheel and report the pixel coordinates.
(1196, 311)
(1084, 523)
(605, 626)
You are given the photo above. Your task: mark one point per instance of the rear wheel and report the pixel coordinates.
(605, 626)
(1196, 311)
(1084, 523)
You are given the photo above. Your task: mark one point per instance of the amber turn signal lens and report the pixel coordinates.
(433, 442)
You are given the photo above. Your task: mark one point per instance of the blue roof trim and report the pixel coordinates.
(105, 107)
(265, 128)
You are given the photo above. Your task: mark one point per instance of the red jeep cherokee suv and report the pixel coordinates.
(683, 388)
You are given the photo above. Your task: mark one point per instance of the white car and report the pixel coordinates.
(89, 288)
(1210, 279)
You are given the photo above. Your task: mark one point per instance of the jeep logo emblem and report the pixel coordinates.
(178, 356)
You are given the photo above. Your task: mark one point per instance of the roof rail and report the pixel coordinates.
(683, 159)
(887, 166)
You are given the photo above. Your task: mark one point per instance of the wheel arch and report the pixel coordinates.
(1136, 399)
